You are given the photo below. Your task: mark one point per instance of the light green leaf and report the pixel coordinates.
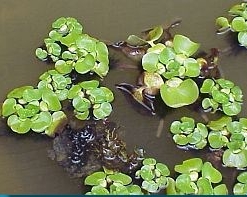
(42, 122)
(102, 111)
(8, 107)
(150, 61)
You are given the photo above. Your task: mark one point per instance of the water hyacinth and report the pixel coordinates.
(223, 95)
(71, 49)
(196, 177)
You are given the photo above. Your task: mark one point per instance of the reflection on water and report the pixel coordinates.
(24, 165)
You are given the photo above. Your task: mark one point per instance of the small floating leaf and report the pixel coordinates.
(51, 99)
(238, 160)
(150, 61)
(19, 126)
(103, 110)
(63, 67)
(41, 54)
(194, 164)
(18, 92)
(232, 109)
(8, 107)
(42, 122)
(184, 45)
(120, 178)
(81, 104)
(212, 174)
(97, 178)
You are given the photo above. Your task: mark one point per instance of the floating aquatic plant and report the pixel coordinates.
(154, 175)
(231, 136)
(28, 108)
(187, 133)
(240, 188)
(111, 182)
(71, 49)
(87, 95)
(235, 23)
(223, 95)
(196, 177)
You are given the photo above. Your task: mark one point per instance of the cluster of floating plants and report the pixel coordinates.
(235, 23)
(171, 68)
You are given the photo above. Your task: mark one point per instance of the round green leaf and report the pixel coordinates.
(166, 55)
(220, 97)
(150, 186)
(164, 170)
(42, 122)
(155, 33)
(204, 186)
(82, 115)
(242, 38)
(183, 183)
(242, 177)
(222, 22)
(8, 107)
(81, 104)
(184, 45)
(19, 126)
(180, 139)
(211, 173)
(120, 178)
(63, 67)
(220, 190)
(54, 49)
(194, 164)
(102, 52)
(238, 160)
(102, 110)
(18, 92)
(179, 95)
(149, 161)
(32, 95)
(41, 54)
(150, 61)
(89, 85)
(232, 109)
(207, 86)
(74, 91)
(99, 190)
(95, 179)
(51, 99)
(192, 67)
(238, 24)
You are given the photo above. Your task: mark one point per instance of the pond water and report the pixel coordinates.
(24, 165)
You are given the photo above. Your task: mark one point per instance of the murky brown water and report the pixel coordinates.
(24, 165)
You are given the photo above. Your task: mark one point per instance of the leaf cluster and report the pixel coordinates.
(71, 49)
(196, 177)
(240, 188)
(187, 133)
(223, 95)
(235, 23)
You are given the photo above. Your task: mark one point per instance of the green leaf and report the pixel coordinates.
(81, 104)
(96, 95)
(18, 92)
(222, 22)
(101, 69)
(220, 123)
(51, 99)
(99, 190)
(109, 97)
(8, 107)
(238, 24)
(183, 184)
(86, 42)
(149, 161)
(134, 190)
(204, 186)
(150, 186)
(32, 95)
(147, 173)
(164, 170)
(43, 121)
(232, 109)
(220, 97)
(54, 49)
(54, 35)
(83, 66)
(58, 118)
(194, 164)
(96, 178)
(180, 139)
(82, 115)
(102, 110)
(242, 38)
(238, 160)
(175, 127)
(210, 173)
(102, 52)
(150, 61)
(193, 68)
(184, 45)
(220, 190)
(155, 33)
(19, 126)
(74, 91)
(234, 127)
(89, 85)
(216, 140)
(70, 39)
(41, 54)
(225, 84)
(135, 41)
(242, 177)
(59, 22)
(171, 186)
(207, 86)
(120, 178)
(63, 67)
(177, 95)
(166, 55)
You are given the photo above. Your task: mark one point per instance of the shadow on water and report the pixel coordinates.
(24, 165)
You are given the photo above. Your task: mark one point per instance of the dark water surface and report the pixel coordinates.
(24, 165)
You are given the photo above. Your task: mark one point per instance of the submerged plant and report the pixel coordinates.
(28, 108)
(223, 95)
(71, 49)
(196, 177)
(187, 133)
(235, 23)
